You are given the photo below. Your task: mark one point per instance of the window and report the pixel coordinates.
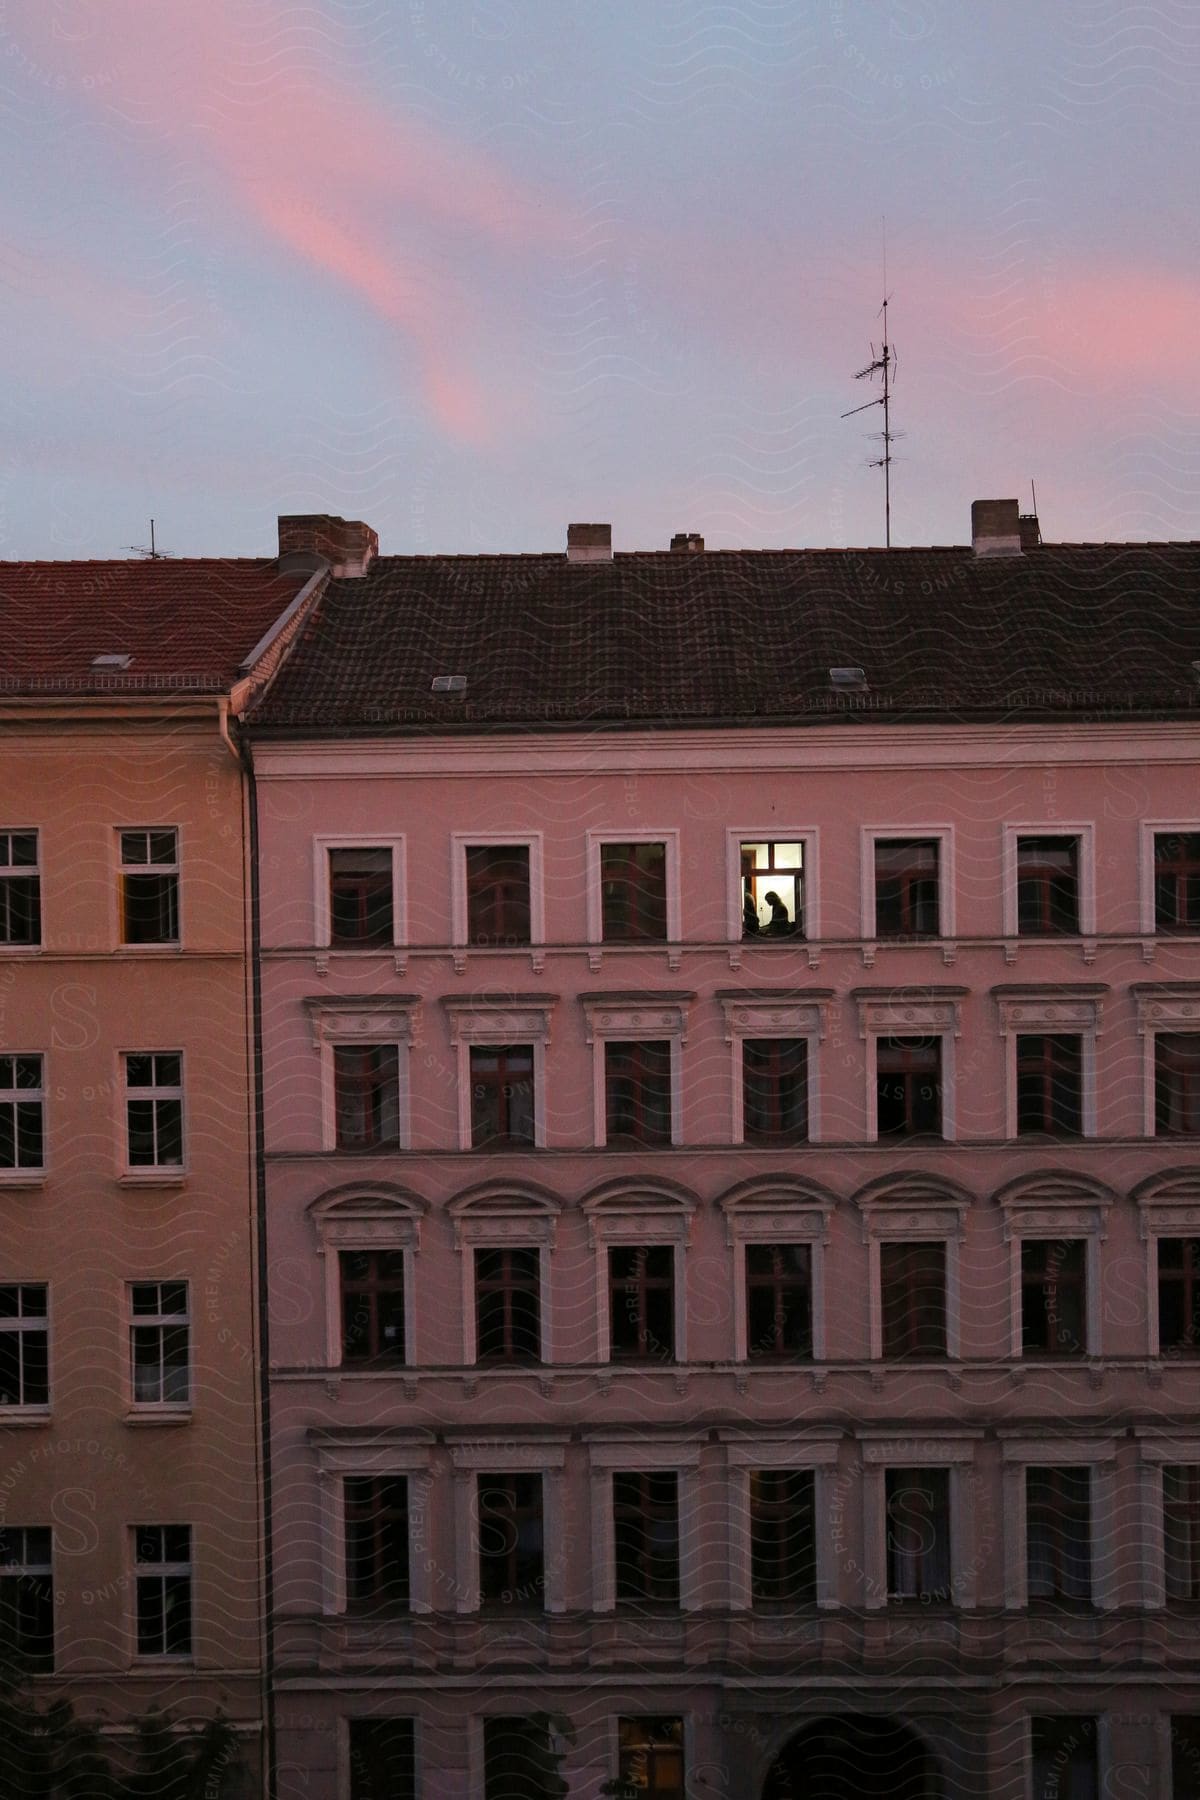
(774, 1090)
(1177, 881)
(1050, 1084)
(518, 1763)
(783, 1555)
(1177, 1084)
(498, 894)
(1053, 1297)
(163, 1580)
(651, 1757)
(906, 887)
(360, 897)
(27, 1595)
(372, 1284)
(22, 1113)
(159, 1343)
(24, 1344)
(633, 892)
(154, 1109)
(912, 1282)
(382, 1759)
(20, 889)
(376, 1513)
(1063, 1755)
(646, 1536)
(641, 1303)
(502, 1102)
(366, 1096)
(772, 890)
(150, 887)
(1047, 886)
(510, 1536)
(908, 1087)
(1185, 1756)
(1058, 1533)
(779, 1301)
(918, 1534)
(508, 1305)
(1181, 1530)
(1179, 1295)
(637, 1093)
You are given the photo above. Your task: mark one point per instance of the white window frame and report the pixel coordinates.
(905, 1210)
(23, 1175)
(1020, 1453)
(504, 1217)
(17, 871)
(513, 1019)
(1051, 1011)
(635, 1018)
(322, 912)
(746, 1452)
(595, 900)
(807, 837)
(952, 1449)
(869, 836)
(356, 1020)
(171, 946)
(163, 1571)
(1158, 1449)
(1050, 1208)
(782, 1212)
(1149, 829)
(366, 1216)
(631, 1452)
(635, 1215)
(18, 1411)
(884, 1012)
(472, 1456)
(460, 842)
(1044, 828)
(338, 1459)
(151, 1410)
(1169, 1007)
(153, 1174)
(785, 1013)
(1168, 1207)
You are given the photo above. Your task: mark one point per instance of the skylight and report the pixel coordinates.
(117, 659)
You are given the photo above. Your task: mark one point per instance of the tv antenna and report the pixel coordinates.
(150, 551)
(882, 364)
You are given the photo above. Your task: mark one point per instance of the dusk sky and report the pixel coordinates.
(470, 269)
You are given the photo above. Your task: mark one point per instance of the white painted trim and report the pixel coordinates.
(534, 842)
(1052, 1015)
(369, 1229)
(870, 835)
(1168, 1008)
(516, 1021)
(905, 1017)
(323, 843)
(787, 1018)
(1148, 830)
(382, 1033)
(1086, 834)
(334, 1464)
(805, 835)
(594, 839)
(1073, 1225)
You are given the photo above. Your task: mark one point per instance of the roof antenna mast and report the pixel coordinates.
(150, 551)
(882, 364)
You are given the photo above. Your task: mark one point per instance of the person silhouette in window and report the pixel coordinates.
(778, 925)
(750, 925)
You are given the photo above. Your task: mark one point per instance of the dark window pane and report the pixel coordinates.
(502, 1096)
(366, 1082)
(20, 909)
(517, 1760)
(376, 1541)
(906, 887)
(909, 1087)
(1047, 885)
(372, 1284)
(1185, 1756)
(508, 1305)
(778, 1300)
(638, 1093)
(918, 1534)
(1177, 881)
(150, 909)
(1177, 1084)
(646, 1535)
(1050, 1084)
(1064, 1758)
(1058, 1533)
(510, 1533)
(498, 904)
(913, 1292)
(641, 1290)
(633, 887)
(783, 1559)
(774, 1090)
(1181, 1531)
(1054, 1297)
(1179, 1295)
(382, 1759)
(360, 896)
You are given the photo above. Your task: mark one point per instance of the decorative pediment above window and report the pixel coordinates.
(1056, 1202)
(626, 1015)
(783, 1012)
(900, 1012)
(1071, 1007)
(367, 1018)
(775, 1210)
(500, 1213)
(916, 1205)
(506, 1019)
(1169, 1204)
(368, 1216)
(628, 1212)
(1167, 1005)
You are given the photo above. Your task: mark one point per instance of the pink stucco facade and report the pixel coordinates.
(965, 1672)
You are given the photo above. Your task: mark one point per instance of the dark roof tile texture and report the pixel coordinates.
(667, 638)
(187, 623)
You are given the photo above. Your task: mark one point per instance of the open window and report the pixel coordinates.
(20, 890)
(149, 886)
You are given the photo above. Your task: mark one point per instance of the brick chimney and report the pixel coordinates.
(312, 541)
(687, 540)
(589, 543)
(995, 528)
(1031, 531)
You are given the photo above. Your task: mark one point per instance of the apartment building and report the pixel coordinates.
(731, 1050)
(130, 1505)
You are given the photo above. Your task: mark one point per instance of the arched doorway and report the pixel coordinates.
(853, 1758)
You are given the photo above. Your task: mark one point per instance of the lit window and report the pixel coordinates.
(159, 1343)
(1058, 1533)
(1047, 886)
(154, 1109)
(772, 890)
(906, 887)
(360, 897)
(20, 889)
(22, 1113)
(651, 1757)
(510, 1537)
(376, 1515)
(498, 894)
(27, 1595)
(918, 1534)
(150, 886)
(372, 1299)
(163, 1582)
(366, 1091)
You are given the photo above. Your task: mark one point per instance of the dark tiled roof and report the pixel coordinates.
(188, 624)
(748, 636)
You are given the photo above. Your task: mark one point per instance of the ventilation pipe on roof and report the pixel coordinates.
(589, 543)
(312, 541)
(995, 528)
(687, 540)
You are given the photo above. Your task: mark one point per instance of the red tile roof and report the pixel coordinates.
(188, 624)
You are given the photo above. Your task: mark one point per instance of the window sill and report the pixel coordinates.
(172, 1178)
(22, 1178)
(171, 949)
(146, 1665)
(23, 1417)
(162, 1415)
(21, 949)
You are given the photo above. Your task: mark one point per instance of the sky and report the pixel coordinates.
(472, 269)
